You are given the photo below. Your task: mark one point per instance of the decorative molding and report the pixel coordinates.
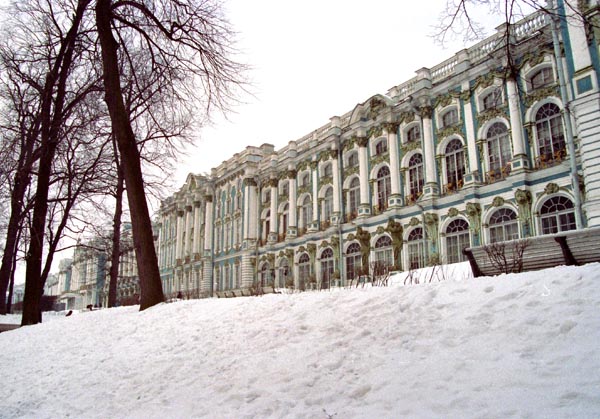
(426, 112)
(498, 201)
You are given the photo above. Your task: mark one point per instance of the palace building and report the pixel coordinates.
(477, 149)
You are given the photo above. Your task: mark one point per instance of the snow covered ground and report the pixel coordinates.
(522, 345)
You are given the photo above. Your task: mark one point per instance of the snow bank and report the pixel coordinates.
(516, 345)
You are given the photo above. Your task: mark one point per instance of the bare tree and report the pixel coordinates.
(507, 257)
(189, 42)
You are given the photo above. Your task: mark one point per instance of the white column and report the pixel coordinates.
(471, 137)
(315, 191)
(429, 151)
(520, 160)
(178, 241)
(336, 185)
(363, 171)
(273, 210)
(160, 242)
(392, 135)
(196, 239)
(516, 124)
(250, 209)
(188, 227)
(208, 226)
(293, 222)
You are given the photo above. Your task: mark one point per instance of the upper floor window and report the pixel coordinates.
(499, 152)
(492, 99)
(384, 187)
(354, 197)
(550, 135)
(305, 179)
(450, 118)
(413, 134)
(381, 147)
(285, 187)
(353, 160)
(415, 176)
(455, 164)
(542, 78)
(327, 171)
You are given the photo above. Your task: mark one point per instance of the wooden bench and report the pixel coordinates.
(5, 327)
(567, 248)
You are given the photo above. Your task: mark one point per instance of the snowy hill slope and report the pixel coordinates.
(522, 345)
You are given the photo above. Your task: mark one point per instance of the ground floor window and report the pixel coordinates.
(457, 238)
(353, 261)
(417, 249)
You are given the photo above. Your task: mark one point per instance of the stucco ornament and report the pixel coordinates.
(498, 201)
(523, 199)
(551, 188)
(431, 225)
(364, 238)
(395, 229)
(452, 212)
(473, 211)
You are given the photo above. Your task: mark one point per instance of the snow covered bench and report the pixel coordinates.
(567, 248)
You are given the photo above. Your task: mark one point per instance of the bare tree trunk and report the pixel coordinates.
(143, 240)
(14, 226)
(12, 276)
(52, 117)
(116, 238)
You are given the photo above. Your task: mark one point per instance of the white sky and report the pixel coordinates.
(315, 59)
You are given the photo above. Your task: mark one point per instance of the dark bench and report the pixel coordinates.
(568, 248)
(5, 327)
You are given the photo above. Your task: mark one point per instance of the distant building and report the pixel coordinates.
(462, 154)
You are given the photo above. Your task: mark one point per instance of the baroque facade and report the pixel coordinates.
(471, 151)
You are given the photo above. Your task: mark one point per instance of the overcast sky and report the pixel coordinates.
(315, 59)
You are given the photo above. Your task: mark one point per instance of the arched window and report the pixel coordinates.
(353, 197)
(499, 152)
(306, 209)
(550, 135)
(353, 261)
(455, 164)
(327, 266)
(384, 187)
(417, 249)
(383, 251)
(267, 225)
(284, 219)
(353, 159)
(327, 170)
(305, 179)
(450, 118)
(542, 78)
(492, 99)
(413, 134)
(303, 269)
(328, 204)
(381, 147)
(284, 272)
(457, 238)
(503, 225)
(557, 214)
(415, 176)
(265, 274)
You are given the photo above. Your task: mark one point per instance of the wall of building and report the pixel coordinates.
(460, 155)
